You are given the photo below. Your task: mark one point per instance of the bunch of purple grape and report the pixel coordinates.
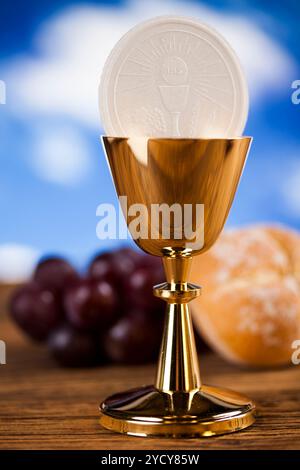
(107, 315)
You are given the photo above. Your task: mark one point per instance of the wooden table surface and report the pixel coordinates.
(46, 407)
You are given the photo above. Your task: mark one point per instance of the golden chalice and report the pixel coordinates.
(184, 173)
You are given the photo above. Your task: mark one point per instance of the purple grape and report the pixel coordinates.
(91, 305)
(72, 348)
(114, 266)
(133, 340)
(37, 311)
(54, 273)
(139, 289)
(151, 262)
(129, 253)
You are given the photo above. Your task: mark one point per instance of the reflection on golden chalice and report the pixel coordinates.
(183, 172)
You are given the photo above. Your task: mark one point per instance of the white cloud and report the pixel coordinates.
(16, 262)
(63, 78)
(60, 155)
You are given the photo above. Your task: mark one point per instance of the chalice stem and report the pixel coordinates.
(178, 368)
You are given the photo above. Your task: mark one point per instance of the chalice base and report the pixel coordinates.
(206, 412)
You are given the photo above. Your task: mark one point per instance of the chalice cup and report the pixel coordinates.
(177, 174)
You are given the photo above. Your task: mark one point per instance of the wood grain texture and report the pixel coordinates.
(45, 407)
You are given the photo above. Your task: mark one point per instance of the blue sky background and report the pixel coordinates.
(53, 172)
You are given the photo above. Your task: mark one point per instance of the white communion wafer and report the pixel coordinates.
(173, 77)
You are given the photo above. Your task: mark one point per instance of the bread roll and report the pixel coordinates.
(249, 310)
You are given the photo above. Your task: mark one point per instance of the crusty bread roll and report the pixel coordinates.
(249, 310)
